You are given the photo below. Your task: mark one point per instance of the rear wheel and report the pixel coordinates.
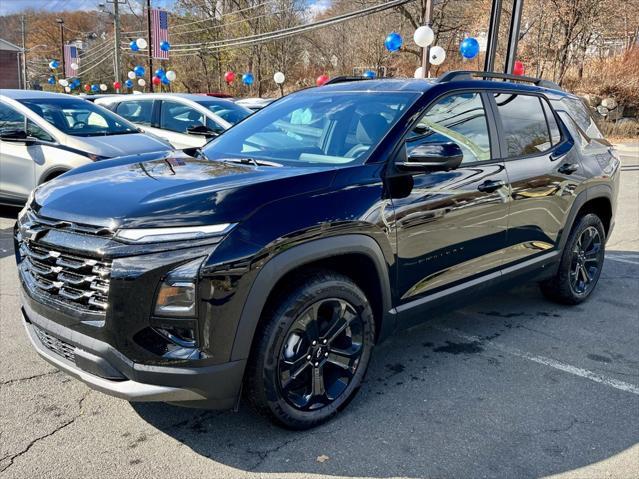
(581, 263)
(312, 352)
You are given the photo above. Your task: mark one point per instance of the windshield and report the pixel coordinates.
(227, 110)
(313, 128)
(79, 117)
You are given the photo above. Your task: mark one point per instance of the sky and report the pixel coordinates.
(8, 7)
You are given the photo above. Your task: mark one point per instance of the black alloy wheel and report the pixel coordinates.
(586, 261)
(321, 354)
(581, 262)
(311, 350)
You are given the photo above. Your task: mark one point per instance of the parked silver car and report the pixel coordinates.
(43, 135)
(186, 120)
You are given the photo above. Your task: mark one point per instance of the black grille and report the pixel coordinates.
(72, 278)
(61, 348)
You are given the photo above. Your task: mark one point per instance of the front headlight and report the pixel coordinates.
(153, 235)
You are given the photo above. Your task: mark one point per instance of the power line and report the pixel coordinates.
(235, 12)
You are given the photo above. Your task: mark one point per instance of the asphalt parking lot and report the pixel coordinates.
(512, 386)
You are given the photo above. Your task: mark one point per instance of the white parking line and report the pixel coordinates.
(623, 258)
(584, 373)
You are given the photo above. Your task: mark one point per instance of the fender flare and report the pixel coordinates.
(292, 258)
(593, 192)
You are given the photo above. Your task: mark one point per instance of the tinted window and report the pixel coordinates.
(524, 124)
(314, 128)
(78, 117)
(581, 115)
(35, 131)
(178, 117)
(459, 118)
(139, 111)
(10, 120)
(555, 134)
(227, 110)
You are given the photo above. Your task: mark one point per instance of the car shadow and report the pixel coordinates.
(6, 233)
(437, 405)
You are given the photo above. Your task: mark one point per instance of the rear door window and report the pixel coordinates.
(525, 131)
(178, 117)
(555, 134)
(136, 111)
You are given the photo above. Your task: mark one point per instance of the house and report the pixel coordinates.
(10, 65)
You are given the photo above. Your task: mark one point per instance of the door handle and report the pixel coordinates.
(490, 186)
(568, 168)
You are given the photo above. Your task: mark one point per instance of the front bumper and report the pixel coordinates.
(102, 368)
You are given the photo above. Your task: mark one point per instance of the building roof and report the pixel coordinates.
(8, 46)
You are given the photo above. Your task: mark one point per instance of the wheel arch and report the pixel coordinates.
(596, 199)
(329, 253)
(52, 173)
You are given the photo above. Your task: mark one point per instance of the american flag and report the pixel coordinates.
(160, 31)
(70, 56)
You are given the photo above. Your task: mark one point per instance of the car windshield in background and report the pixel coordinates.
(227, 110)
(311, 129)
(78, 117)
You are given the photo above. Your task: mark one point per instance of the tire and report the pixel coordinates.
(581, 263)
(288, 373)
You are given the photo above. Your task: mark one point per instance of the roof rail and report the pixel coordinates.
(469, 74)
(345, 78)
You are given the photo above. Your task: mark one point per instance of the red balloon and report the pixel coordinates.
(518, 68)
(117, 85)
(229, 77)
(156, 80)
(87, 87)
(321, 80)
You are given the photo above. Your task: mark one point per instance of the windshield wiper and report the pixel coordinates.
(250, 161)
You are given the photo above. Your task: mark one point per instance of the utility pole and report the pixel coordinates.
(150, 42)
(116, 35)
(23, 20)
(427, 21)
(64, 66)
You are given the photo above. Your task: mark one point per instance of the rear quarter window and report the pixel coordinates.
(580, 114)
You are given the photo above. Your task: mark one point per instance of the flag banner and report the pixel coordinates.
(71, 59)
(160, 32)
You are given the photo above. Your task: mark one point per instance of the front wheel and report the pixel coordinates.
(581, 263)
(312, 352)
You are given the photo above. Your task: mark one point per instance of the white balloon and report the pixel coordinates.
(279, 78)
(170, 75)
(424, 36)
(103, 87)
(419, 73)
(74, 66)
(63, 82)
(141, 43)
(67, 89)
(141, 82)
(437, 55)
(131, 75)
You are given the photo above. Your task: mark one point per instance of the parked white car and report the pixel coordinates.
(43, 135)
(186, 120)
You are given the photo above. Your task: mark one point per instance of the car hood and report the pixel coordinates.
(171, 189)
(112, 146)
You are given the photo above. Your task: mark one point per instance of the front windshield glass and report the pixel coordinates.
(314, 128)
(79, 117)
(227, 110)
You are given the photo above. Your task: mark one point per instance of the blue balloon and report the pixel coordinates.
(53, 64)
(160, 73)
(134, 46)
(165, 80)
(51, 80)
(469, 48)
(248, 78)
(129, 83)
(165, 46)
(369, 74)
(139, 70)
(95, 88)
(393, 42)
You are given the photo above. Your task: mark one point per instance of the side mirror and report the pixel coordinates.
(201, 130)
(433, 157)
(16, 136)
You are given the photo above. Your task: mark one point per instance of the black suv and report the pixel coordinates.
(273, 260)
